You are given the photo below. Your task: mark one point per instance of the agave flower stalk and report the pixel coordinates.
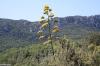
(46, 23)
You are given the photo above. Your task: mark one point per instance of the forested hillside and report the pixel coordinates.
(17, 33)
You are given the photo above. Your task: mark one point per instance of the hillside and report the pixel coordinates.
(19, 33)
(78, 44)
(15, 33)
(67, 53)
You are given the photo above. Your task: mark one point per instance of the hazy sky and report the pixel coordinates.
(32, 9)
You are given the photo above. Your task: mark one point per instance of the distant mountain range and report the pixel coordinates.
(18, 33)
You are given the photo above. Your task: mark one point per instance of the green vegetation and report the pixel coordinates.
(19, 33)
(16, 33)
(67, 53)
(55, 51)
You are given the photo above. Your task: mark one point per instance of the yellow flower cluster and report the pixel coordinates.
(40, 32)
(46, 9)
(43, 20)
(55, 29)
(44, 25)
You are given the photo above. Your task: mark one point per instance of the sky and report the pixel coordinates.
(32, 9)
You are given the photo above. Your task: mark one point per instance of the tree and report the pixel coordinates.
(49, 23)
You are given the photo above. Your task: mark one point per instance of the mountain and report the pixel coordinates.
(19, 33)
(15, 33)
(78, 27)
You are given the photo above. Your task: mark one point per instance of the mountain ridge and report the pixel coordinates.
(17, 33)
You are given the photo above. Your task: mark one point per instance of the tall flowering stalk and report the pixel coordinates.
(46, 22)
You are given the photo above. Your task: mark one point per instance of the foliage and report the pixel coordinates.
(67, 53)
(95, 38)
(19, 33)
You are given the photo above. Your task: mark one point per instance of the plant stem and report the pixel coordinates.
(50, 35)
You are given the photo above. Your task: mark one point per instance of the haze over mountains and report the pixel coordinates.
(18, 33)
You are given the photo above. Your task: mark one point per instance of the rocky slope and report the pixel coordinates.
(16, 33)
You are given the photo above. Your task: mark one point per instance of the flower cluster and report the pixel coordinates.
(46, 23)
